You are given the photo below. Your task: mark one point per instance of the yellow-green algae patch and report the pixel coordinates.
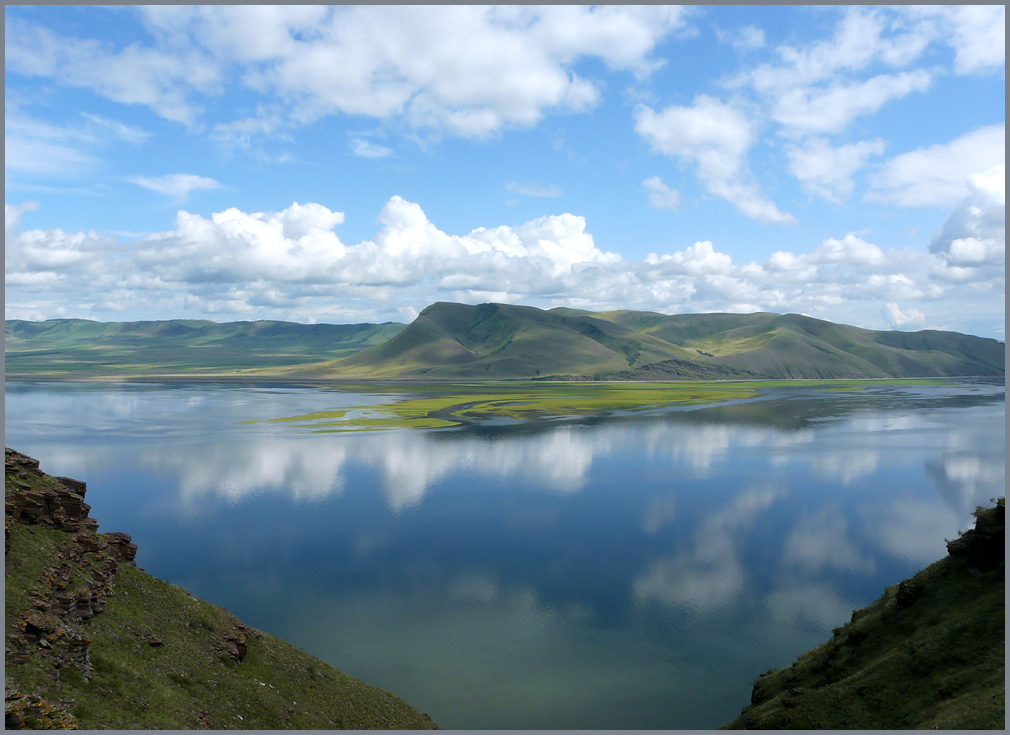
(459, 404)
(440, 405)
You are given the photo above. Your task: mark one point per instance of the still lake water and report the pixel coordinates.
(628, 572)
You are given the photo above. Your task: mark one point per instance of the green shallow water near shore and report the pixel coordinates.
(442, 405)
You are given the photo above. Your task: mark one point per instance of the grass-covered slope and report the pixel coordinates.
(94, 642)
(500, 342)
(79, 347)
(928, 654)
(794, 346)
(495, 341)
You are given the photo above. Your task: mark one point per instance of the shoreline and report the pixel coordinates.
(176, 378)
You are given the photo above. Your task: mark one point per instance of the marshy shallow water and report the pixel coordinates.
(633, 571)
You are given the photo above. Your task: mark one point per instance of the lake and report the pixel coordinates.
(632, 571)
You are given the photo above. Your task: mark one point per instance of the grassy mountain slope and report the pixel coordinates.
(800, 346)
(92, 641)
(501, 342)
(929, 654)
(496, 341)
(795, 346)
(68, 347)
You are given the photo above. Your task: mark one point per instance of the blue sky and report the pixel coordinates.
(357, 164)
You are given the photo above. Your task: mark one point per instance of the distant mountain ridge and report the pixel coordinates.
(450, 341)
(71, 347)
(501, 341)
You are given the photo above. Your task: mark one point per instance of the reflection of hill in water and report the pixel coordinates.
(683, 550)
(775, 408)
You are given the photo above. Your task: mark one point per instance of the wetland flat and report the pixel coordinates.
(455, 404)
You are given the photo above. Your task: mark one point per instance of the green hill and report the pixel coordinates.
(80, 347)
(496, 341)
(500, 342)
(91, 641)
(929, 654)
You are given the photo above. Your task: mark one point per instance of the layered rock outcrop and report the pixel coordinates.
(33, 497)
(29, 712)
(73, 590)
(152, 656)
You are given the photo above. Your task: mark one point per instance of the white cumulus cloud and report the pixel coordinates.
(974, 234)
(822, 86)
(13, 212)
(937, 176)
(466, 70)
(831, 109)
(292, 264)
(747, 38)
(827, 171)
(715, 137)
(977, 33)
(899, 318)
(368, 149)
(160, 78)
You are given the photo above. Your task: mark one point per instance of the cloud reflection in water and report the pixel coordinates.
(711, 574)
(583, 552)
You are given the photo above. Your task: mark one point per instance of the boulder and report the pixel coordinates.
(120, 543)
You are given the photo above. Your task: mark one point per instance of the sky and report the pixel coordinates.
(356, 164)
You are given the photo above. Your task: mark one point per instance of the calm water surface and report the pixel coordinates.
(629, 572)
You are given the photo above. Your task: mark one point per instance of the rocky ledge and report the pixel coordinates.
(71, 591)
(92, 640)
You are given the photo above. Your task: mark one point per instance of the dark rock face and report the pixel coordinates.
(60, 505)
(60, 600)
(119, 543)
(50, 636)
(77, 587)
(233, 643)
(908, 592)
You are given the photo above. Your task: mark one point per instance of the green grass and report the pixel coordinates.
(495, 341)
(929, 654)
(186, 682)
(491, 342)
(82, 348)
(275, 685)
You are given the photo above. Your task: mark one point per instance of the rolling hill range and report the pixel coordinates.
(79, 347)
(450, 341)
(499, 341)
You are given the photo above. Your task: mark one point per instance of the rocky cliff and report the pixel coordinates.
(93, 641)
